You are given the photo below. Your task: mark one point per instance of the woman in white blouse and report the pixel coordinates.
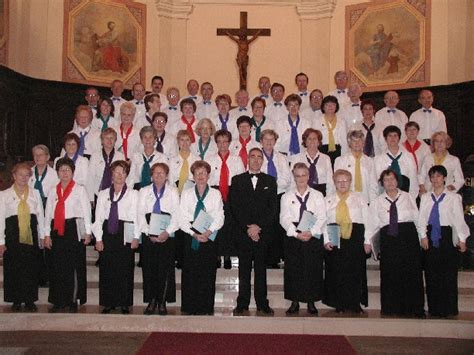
(21, 220)
(198, 283)
(442, 229)
(71, 147)
(394, 215)
(165, 140)
(158, 250)
(67, 230)
(345, 282)
(43, 177)
(303, 275)
(440, 142)
(117, 235)
(319, 164)
(205, 146)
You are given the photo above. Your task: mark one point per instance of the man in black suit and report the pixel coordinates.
(253, 201)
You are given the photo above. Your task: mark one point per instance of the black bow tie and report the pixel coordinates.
(354, 105)
(172, 108)
(427, 110)
(206, 102)
(139, 102)
(341, 91)
(392, 110)
(303, 93)
(254, 175)
(277, 104)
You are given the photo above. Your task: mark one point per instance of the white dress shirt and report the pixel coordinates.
(283, 129)
(383, 118)
(133, 142)
(340, 132)
(169, 203)
(323, 167)
(197, 98)
(142, 121)
(451, 214)
(140, 108)
(117, 101)
(9, 202)
(92, 141)
(211, 150)
(304, 96)
(290, 211)
(311, 115)
(50, 180)
(136, 165)
(358, 211)
(77, 205)
(80, 171)
(369, 180)
(277, 113)
(236, 112)
(96, 172)
(127, 211)
(341, 95)
(175, 163)
(206, 109)
(429, 122)
(407, 168)
(453, 166)
(350, 113)
(234, 164)
(284, 176)
(174, 115)
(212, 205)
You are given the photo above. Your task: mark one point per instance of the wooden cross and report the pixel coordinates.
(239, 36)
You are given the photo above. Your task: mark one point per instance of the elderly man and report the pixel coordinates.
(206, 108)
(390, 115)
(340, 92)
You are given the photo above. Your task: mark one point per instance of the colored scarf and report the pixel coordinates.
(189, 127)
(107, 175)
(224, 177)
(125, 140)
(184, 172)
(434, 220)
(343, 217)
(24, 217)
(113, 220)
(199, 207)
(243, 150)
(294, 142)
(60, 210)
(331, 139)
(412, 149)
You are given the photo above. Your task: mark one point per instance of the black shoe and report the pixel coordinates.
(162, 311)
(420, 315)
(273, 266)
(107, 310)
(227, 263)
(150, 309)
(178, 265)
(294, 308)
(16, 307)
(218, 262)
(55, 309)
(73, 307)
(238, 311)
(265, 311)
(312, 308)
(125, 310)
(339, 310)
(97, 262)
(31, 307)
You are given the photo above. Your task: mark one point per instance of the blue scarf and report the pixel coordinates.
(434, 221)
(294, 142)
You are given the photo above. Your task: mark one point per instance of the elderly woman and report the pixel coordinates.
(128, 140)
(205, 145)
(223, 120)
(141, 162)
(334, 130)
(345, 283)
(89, 137)
(394, 215)
(441, 213)
(43, 177)
(116, 232)
(158, 250)
(292, 128)
(165, 141)
(360, 166)
(440, 142)
(104, 117)
(416, 147)
(188, 119)
(319, 164)
(198, 284)
(259, 121)
(303, 276)
(374, 141)
(81, 164)
(99, 176)
(21, 220)
(67, 232)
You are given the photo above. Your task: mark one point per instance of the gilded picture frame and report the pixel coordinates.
(3, 32)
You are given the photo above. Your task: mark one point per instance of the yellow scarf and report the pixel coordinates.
(24, 217)
(357, 174)
(343, 217)
(184, 172)
(439, 161)
(331, 140)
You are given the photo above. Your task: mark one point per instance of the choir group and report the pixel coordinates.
(320, 182)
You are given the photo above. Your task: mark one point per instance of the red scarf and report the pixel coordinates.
(412, 150)
(60, 210)
(125, 140)
(224, 178)
(189, 127)
(243, 151)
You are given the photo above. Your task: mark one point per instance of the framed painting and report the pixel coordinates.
(104, 40)
(388, 44)
(3, 31)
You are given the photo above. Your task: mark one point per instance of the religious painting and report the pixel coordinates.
(104, 40)
(388, 44)
(3, 31)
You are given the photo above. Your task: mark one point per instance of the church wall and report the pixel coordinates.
(180, 49)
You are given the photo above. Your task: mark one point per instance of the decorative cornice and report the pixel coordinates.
(315, 10)
(172, 9)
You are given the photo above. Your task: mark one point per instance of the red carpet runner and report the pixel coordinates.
(217, 343)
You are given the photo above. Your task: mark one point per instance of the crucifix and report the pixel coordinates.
(240, 36)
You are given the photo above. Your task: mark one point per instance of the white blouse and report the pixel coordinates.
(451, 214)
(358, 211)
(268, 124)
(169, 203)
(212, 203)
(234, 163)
(453, 166)
(340, 132)
(283, 129)
(284, 176)
(133, 141)
(127, 211)
(430, 122)
(137, 163)
(81, 169)
(77, 205)
(9, 202)
(231, 125)
(211, 150)
(170, 145)
(421, 153)
(50, 180)
(175, 164)
(290, 211)
(91, 141)
(323, 167)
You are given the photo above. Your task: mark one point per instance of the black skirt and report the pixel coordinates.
(159, 281)
(401, 279)
(21, 263)
(198, 278)
(68, 273)
(441, 274)
(333, 155)
(117, 262)
(303, 273)
(345, 277)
